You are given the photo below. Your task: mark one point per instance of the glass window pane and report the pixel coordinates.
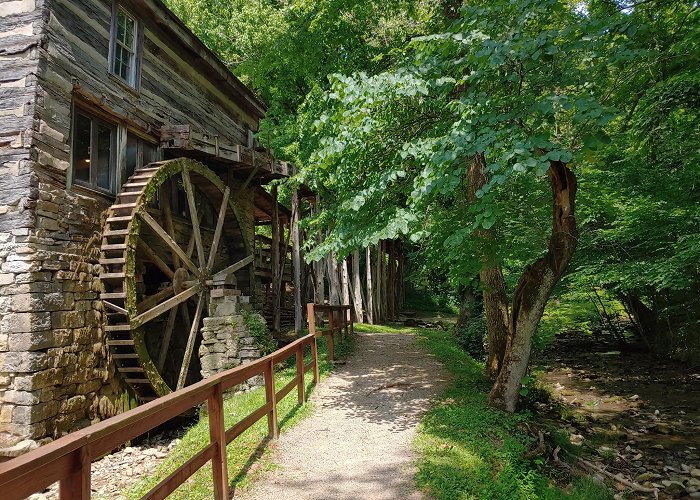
(132, 150)
(125, 29)
(103, 158)
(124, 63)
(81, 148)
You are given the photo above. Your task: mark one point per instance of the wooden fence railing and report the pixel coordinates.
(68, 459)
(340, 320)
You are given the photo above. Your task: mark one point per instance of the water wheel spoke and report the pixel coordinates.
(151, 300)
(153, 257)
(169, 327)
(190, 342)
(168, 216)
(219, 228)
(159, 309)
(153, 224)
(193, 216)
(221, 275)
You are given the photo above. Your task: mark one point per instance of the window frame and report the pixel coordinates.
(113, 168)
(137, 52)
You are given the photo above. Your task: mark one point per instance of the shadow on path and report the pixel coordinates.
(357, 443)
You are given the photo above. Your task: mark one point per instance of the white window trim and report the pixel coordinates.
(138, 46)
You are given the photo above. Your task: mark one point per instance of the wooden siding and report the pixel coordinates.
(172, 91)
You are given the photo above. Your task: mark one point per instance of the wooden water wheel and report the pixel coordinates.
(170, 238)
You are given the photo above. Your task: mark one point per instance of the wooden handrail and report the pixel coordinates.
(344, 313)
(68, 459)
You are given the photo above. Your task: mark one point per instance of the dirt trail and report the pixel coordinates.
(357, 442)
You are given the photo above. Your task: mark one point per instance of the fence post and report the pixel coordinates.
(217, 434)
(346, 324)
(300, 373)
(270, 397)
(76, 485)
(331, 347)
(311, 318)
(314, 355)
(353, 318)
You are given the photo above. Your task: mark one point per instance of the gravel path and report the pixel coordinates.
(357, 442)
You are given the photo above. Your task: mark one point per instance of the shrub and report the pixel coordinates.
(472, 337)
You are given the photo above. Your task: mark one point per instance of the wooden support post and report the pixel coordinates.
(370, 291)
(270, 397)
(357, 286)
(378, 285)
(276, 259)
(353, 318)
(314, 355)
(311, 318)
(296, 257)
(217, 434)
(319, 266)
(76, 486)
(346, 320)
(301, 389)
(331, 327)
(345, 282)
(384, 288)
(333, 280)
(390, 281)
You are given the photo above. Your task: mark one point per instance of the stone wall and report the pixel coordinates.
(56, 374)
(226, 339)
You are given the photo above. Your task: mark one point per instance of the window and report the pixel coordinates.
(94, 151)
(125, 46)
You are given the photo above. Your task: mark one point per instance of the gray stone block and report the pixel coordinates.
(23, 362)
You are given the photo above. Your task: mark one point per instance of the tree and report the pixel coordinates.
(511, 82)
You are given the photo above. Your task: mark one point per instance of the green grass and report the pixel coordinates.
(387, 328)
(470, 451)
(249, 447)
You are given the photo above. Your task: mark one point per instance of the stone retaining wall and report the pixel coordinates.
(226, 339)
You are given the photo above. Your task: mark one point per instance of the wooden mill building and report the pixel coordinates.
(130, 188)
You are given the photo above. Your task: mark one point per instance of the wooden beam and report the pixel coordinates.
(168, 216)
(165, 344)
(370, 291)
(221, 275)
(165, 306)
(276, 271)
(189, 190)
(219, 228)
(160, 263)
(153, 224)
(296, 261)
(190, 343)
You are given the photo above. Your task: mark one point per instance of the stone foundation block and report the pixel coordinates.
(25, 322)
(23, 362)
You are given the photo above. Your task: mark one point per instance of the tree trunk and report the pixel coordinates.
(535, 287)
(370, 290)
(492, 282)
(466, 307)
(646, 321)
(357, 286)
(496, 313)
(345, 282)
